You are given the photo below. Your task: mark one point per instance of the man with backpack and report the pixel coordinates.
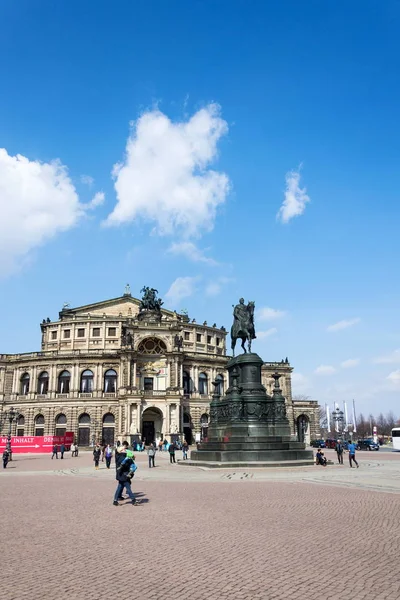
(108, 455)
(125, 473)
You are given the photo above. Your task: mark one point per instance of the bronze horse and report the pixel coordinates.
(244, 329)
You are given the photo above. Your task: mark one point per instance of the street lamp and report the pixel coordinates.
(338, 417)
(12, 414)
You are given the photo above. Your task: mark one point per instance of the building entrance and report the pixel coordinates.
(152, 424)
(148, 432)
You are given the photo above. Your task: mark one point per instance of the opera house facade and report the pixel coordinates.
(125, 369)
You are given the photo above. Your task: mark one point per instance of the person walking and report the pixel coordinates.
(339, 451)
(62, 450)
(171, 451)
(55, 452)
(72, 449)
(185, 449)
(120, 455)
(96, 456)
(103, 452)
(108, 455)
(6, 458)
(352, 454)
(151, 453)
(125, 473)
(76, 449)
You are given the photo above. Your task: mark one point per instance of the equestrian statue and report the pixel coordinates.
(243, 325)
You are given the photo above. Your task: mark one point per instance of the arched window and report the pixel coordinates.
(108, 429)
(61, 424)
(24, 387)
(84, 419)
(110, 381)
(87, 381)
(43, 383)
(152, 346)
(204, 426)
(219, 389)
(187, 383)
(203, 384)
(39, 425)
(64, 380)
(21, 425)
(84, 430)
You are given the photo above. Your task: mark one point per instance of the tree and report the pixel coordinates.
(391, 422)
(362, 426)
(382, 425)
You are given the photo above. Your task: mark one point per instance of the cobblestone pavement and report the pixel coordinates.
(200, 534)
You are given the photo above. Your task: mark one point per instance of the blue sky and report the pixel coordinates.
(216, 112)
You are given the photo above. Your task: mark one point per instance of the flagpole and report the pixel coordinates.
(346, 417)
(354, 417)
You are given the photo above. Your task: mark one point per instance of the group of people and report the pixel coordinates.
(56, 450)
(320, 458)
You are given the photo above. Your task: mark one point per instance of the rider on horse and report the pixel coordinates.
(243, 324)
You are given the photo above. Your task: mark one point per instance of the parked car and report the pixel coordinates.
(330, 443)
(367, 445)
(317, 443)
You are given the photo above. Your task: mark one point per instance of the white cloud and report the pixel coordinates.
(269, 314)
(263, 334)
(182, 287)
(97, 200)
(325, 370)
(166, 178)
(38, 200)
(296, 198)
(394, 376)
(392, 358)
(343, 324)
(351, 362)
(87, 180)
(190, 251)
(215, 287)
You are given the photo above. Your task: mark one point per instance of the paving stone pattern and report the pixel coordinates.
(229, 538)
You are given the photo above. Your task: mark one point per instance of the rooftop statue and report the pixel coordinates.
(149, 300)
(243, 325)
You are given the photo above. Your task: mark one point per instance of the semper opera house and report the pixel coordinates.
(128, 369)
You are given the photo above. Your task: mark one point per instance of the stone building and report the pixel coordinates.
(115, 370)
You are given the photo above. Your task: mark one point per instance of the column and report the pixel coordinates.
(120, 420)
(168, 373)
(128, 417)
(53, 381)
(134, 373)
(176, 373)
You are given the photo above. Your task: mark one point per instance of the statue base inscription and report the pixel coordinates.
(248, 427)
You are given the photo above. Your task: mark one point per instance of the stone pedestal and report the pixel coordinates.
(248, 427)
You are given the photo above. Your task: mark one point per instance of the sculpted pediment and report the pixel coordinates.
(126, 307)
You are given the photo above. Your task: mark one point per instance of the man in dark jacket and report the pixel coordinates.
(120, 455)
(171, 451)
(62, 450)
(339, 451)
(125, 473)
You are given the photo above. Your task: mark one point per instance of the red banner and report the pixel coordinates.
(23, 444)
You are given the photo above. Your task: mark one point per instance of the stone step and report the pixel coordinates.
(227, 456)
(249, 446)
(247, 464)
